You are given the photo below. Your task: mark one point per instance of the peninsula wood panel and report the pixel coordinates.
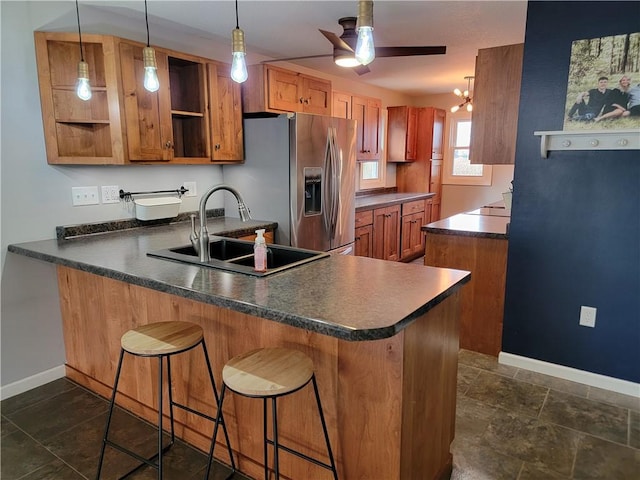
(385, 415)
(482, 300)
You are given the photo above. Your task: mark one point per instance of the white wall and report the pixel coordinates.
(462, 198)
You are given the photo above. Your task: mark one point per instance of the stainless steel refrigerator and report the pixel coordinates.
(299, 170)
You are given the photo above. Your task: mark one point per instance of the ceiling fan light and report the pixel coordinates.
(469, 107)
(457, 92)
(345, 59)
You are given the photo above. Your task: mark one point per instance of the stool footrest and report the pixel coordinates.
(143, 461)
(301, 455)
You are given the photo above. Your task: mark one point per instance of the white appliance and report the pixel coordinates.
(300, 171)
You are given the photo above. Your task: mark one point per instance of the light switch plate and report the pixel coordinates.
(84, 196)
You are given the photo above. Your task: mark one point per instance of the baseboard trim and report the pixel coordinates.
(37, 380)
(567, 373)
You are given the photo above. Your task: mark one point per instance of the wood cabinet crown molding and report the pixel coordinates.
(194, 118)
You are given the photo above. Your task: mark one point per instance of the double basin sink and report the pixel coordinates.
(237, 256)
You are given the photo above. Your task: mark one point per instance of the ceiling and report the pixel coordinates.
(283, 29)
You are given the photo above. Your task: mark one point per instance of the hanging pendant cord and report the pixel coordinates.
(146, 20)
(237, 22)
(79, 32)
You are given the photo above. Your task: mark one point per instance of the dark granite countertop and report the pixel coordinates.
(367, 202)
(471, 224)
(351, 298)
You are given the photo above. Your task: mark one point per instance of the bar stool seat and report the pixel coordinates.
(269, 373)
(162, 340)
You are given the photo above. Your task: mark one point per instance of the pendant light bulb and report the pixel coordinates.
(83, 88)
(239, 65)
(469, 107)
(457, 92)
(365, 50)
(455, 109)
(151, 82)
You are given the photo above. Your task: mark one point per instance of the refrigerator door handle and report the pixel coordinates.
(335, 181)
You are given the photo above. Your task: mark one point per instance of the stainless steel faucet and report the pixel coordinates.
(200, 241)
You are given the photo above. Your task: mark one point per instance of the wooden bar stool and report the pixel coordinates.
(269, 373)
(162, 340)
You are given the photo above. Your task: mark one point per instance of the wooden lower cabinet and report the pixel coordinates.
(482, 300)
(386, 233)
(364, 234)
(389, 404)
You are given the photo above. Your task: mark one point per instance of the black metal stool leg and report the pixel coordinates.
(160, 418)
(265, 443)
(111, 405)
(173, 434)
(219, 407)
(324, 428)
(215, 431)
(276, 454)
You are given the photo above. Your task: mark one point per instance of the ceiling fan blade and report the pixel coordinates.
(361, 69)
(409, 51)
(336, 41)
(296, 58)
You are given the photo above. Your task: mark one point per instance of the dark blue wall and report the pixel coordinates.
(575, 228)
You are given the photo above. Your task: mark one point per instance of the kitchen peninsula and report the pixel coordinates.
(383, 337)
(476, 241)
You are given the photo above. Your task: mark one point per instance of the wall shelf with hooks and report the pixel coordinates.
(588, 140)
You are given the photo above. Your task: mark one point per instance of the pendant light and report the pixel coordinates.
(365, 50)
(151, 82)
(83, 88)
(464, 96)
(239, 65)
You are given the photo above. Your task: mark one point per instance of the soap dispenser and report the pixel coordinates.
(260, 252)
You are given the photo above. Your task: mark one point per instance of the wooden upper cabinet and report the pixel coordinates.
(341, 105)
(124, 123)
(402, 134)
(368, 113)
(277, 90)
(496, 97)
(78, 131)
(148, 114)
(437, 134)
(226, 115)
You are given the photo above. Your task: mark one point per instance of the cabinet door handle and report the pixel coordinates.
(301, 100)
(217, 146)
(168, 144)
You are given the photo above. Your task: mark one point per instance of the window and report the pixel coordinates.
(458, 168)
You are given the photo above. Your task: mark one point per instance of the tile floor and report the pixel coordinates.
(511, 424)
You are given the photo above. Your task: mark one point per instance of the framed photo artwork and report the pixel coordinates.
(603, 89)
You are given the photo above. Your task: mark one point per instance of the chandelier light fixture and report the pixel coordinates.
(83, 88)
(365, 50)
(465, 96)
(239, 65)
(151, 82)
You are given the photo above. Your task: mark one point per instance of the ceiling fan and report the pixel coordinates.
(345, 44)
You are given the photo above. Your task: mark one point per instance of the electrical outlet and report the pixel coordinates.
(588, 316)
(84, 196)
(191, 186)
(110, 194)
